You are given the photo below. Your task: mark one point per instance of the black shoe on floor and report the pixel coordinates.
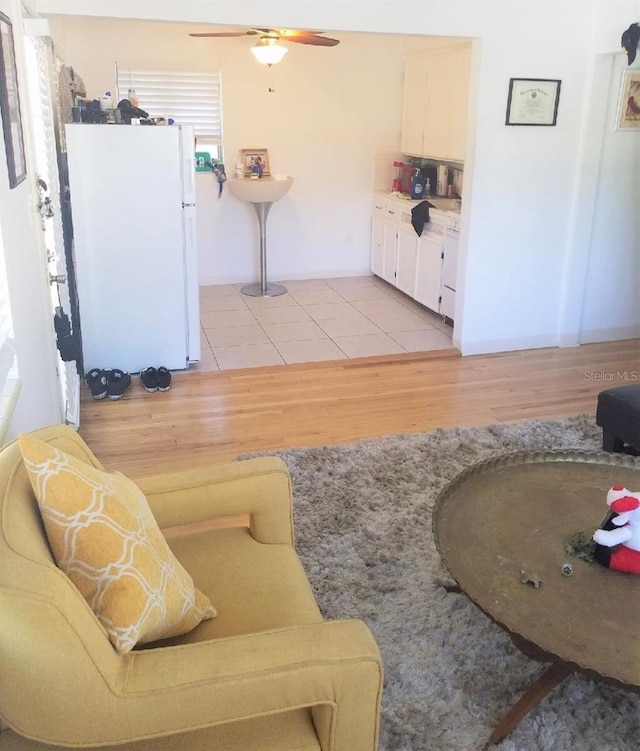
(164, 379)
(97, 382)
(117, 383)
(149, 379)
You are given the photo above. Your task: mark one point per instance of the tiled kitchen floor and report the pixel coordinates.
(317, 319)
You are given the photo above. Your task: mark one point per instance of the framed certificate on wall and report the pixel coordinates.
(533, 101)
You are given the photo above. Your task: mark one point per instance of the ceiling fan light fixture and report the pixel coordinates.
(268, 52)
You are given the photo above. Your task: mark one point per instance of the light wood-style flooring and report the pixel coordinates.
(209, 417)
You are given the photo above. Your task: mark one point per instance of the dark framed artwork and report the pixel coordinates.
(10, 106)
(533, 101)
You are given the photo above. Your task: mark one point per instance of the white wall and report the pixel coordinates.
(524, 187)
(331, 111)
(31, 312)
(611, 302)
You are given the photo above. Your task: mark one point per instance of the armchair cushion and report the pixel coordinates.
(104, 537)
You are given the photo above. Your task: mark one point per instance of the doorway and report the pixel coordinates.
(41, 75)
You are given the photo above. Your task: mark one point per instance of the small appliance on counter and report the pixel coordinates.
(407, 172)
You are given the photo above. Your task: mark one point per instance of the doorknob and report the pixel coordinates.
(57, 278)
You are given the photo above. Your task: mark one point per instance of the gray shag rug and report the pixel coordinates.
(363, 530)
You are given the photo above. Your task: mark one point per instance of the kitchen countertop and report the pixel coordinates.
(445, 205)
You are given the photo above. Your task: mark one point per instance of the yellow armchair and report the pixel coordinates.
(267, 674)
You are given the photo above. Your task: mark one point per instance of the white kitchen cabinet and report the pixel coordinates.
(436, 137)
(414, 105)
(434, 115)
(377, 247)
(383, 249)
(389, 252)
(448, 303)
(411, 263)
(406, 260)
(429, 271)
(459, 104)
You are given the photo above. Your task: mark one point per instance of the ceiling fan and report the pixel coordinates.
(267, 50)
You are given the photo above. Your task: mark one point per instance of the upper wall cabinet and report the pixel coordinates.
(434, 116)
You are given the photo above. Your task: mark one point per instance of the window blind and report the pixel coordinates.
(190, 97)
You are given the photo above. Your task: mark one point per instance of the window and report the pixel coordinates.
(189, 96)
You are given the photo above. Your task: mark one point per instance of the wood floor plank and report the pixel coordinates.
(209, 417)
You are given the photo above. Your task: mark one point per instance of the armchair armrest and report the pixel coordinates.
(333, 667)
(259, 487)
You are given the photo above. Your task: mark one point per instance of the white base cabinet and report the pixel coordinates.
(448, 302)
(406, 260)
(411, 263)
(429, 272)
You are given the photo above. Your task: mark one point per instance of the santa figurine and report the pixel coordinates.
(618, 538)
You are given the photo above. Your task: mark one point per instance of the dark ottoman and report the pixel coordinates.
(618, 415)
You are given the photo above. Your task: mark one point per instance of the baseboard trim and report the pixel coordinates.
(609, 335)
(284, 277)
(493, 346)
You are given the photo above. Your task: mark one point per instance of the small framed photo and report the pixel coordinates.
(10, 106)
(628, 114)
(255, 157)
(533, 101)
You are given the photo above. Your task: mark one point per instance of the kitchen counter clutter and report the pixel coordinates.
(414, 263)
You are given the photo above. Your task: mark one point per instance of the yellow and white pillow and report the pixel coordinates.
(104, 537)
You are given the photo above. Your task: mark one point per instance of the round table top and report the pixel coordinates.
(518, 513)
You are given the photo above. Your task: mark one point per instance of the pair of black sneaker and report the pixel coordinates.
(112, 383)
(155, 379)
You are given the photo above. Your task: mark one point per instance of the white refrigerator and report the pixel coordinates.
(132, 192)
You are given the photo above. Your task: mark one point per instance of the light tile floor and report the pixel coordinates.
(316, 320)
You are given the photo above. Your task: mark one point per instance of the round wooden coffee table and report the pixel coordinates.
(517, 514)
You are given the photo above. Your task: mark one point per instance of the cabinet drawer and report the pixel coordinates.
(379, 207)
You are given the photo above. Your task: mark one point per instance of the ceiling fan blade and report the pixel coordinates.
(287, 35)
(251, 32)
(318, 41)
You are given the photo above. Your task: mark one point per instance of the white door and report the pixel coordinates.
(40, 72)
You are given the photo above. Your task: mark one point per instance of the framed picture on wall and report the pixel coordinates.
(533, 101)
(10, 106)
(628, 114)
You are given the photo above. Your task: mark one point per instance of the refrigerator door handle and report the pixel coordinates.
(191, 284)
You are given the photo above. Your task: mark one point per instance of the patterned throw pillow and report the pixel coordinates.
(104, 537)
